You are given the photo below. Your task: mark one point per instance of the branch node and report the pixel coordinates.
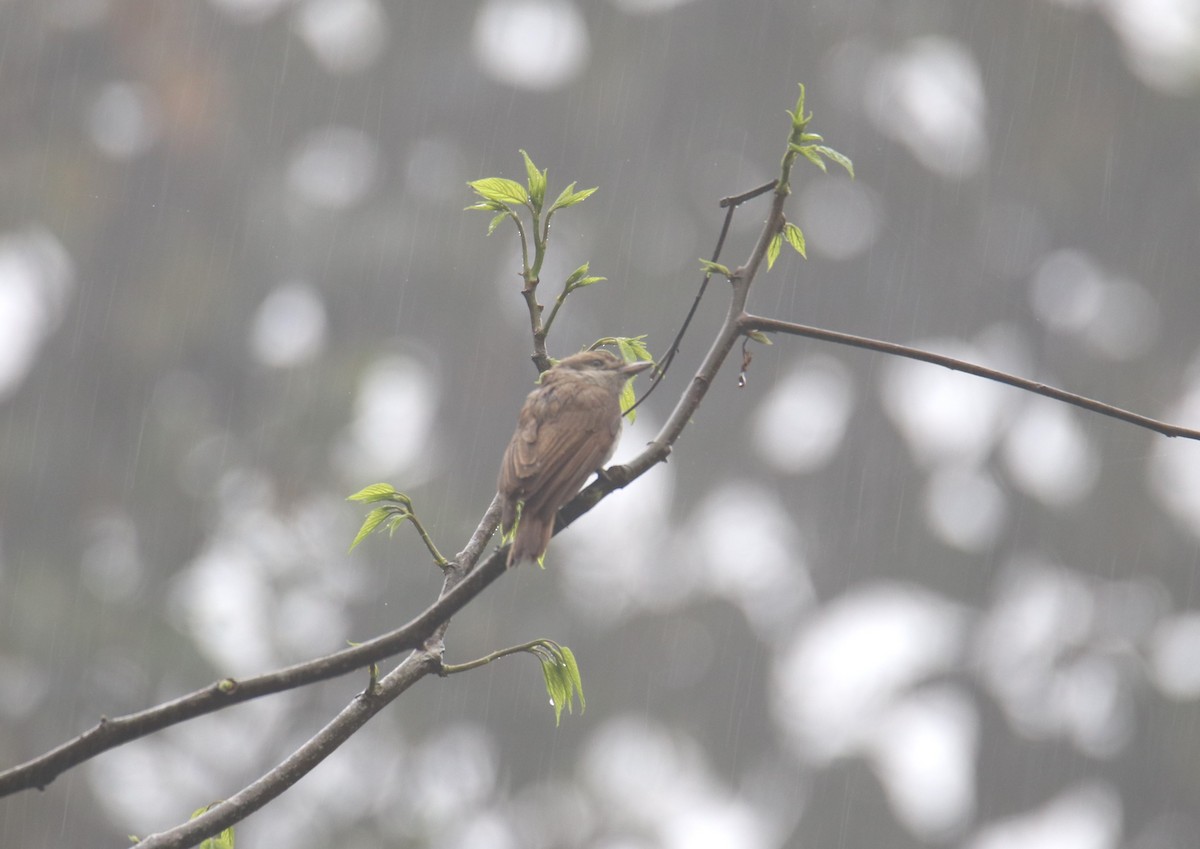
(617, 476)
(372, 689)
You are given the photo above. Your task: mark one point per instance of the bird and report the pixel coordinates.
(567, 429)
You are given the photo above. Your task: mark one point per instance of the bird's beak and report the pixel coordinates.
(633, 368)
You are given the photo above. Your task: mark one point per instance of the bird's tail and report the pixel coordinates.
(532, 538)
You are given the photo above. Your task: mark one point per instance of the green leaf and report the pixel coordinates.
(628, 396)
(224, 840)
(570, 197)
(632, 348)
(715, 268)
(581, 195)
(795, 238)
(398, 518)
(760, 337)
(835, 156)
(576, 276)
(560, 201)
(809, 151)
(572, 673)
(555, 687)
(374, 492)
(373, 520)
(495, 222)
(799, 119)
(578, 280)
(488, 205)
(773, 249)
(561, 673)
(500, 190)
(537, 182)
(377, 492)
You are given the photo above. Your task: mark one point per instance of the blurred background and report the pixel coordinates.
(867, 603)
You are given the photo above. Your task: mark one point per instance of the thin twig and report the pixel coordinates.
(730, 205)
(770, 325)
(738, 200)
(527, 648)
(438, 559)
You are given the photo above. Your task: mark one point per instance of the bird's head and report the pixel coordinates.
(595, 366)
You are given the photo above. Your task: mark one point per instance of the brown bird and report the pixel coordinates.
(567, 429)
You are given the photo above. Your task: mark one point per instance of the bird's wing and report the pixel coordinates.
(557, 446)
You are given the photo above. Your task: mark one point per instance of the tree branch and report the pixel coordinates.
(107, 734)
(272, 784)
(750, 322)
(355, 715)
